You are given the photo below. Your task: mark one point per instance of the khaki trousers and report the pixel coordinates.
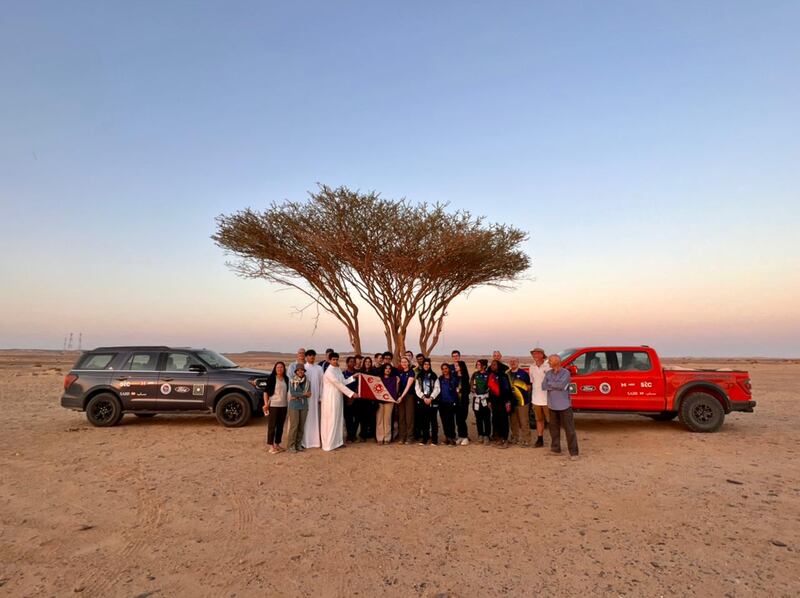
(297, 423)
(520, 424)
(383, 422)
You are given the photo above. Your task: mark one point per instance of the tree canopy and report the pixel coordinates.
(406, 261)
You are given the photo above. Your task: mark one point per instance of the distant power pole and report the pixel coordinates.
(64, 350)
(80, 340)
(69, 343)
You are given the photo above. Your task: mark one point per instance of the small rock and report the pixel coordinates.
(778, 543)
(737, 482)
(84, 527)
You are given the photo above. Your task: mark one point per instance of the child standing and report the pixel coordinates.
(479, 385)
(299, 392)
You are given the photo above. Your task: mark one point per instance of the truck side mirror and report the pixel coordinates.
(573, 370)
(197, 368)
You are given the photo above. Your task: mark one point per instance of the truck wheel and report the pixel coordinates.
(104, 410)
(701, 412)
(664, 416)
(233, 411)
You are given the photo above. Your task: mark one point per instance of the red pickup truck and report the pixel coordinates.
(632, 380)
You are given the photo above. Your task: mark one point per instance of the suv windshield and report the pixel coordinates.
(215, 360)
(566, 353)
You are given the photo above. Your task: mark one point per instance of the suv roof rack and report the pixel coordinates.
(129, 347)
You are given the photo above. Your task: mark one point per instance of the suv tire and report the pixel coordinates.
(104, 410)
(233, 410)
(701, 412)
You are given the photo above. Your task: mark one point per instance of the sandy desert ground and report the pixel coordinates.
(179, 506)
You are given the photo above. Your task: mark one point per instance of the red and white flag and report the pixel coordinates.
(371, 387)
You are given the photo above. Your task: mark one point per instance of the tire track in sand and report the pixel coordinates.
(149, 514)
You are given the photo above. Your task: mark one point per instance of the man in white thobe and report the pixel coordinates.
(332, 406)
(314, 374)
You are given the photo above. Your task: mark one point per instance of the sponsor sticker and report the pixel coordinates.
(588, 388)
(182, 389)
(125, 384)
(198, 389)
(573, 388)
(166, 389)
(647, 385)
(605, 388)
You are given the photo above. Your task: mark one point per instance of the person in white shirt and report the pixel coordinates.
(334, 389)
(314, 373)
(537, 371)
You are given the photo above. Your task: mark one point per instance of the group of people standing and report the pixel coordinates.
(323, 408)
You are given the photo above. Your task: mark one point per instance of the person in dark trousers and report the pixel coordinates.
(427, 389)
(406, 402)
(276, 402)
(556, 383)
(479, 394)
(419, 358)
(299, 393)
(351, 420)
(448, 403)
(366, 408)
(500, 402)
(462, 409)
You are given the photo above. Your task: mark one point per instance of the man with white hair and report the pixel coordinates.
(300, 359)
(556, 383)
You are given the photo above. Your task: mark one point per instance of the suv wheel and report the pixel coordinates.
(233, 410)
(104, 410)
(701, 412)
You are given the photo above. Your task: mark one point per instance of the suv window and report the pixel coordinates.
(179, 362)
(634, 360)
(143, 361)
(95, 361)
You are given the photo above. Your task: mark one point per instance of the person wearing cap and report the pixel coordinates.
(536, 371)
(299, 393)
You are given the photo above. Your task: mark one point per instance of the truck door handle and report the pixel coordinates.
(121, 378)
(167, 379)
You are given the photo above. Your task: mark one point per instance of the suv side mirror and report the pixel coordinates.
(197, 368)
(573, 370)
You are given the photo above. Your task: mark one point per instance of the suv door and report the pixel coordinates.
(591, 387)
(180, 388)
(639, 386)
(136, 381)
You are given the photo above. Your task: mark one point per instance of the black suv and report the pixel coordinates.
(110, 381)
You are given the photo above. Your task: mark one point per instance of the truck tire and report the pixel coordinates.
(104, 410)
(233, 410)
(701, 412)
(664, 416)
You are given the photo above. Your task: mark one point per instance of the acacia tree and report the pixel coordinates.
(403, 260)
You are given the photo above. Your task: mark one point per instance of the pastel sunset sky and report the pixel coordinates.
(650, 149)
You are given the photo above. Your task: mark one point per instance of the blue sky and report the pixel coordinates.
(650, 149)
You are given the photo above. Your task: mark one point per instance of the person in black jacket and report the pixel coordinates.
(427, 389)
(460, 371)
(500, 402)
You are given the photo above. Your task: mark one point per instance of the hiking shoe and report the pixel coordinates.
(464, 441)
(539, 443)
(574, 458)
